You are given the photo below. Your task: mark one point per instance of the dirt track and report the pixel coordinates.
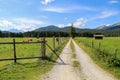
(89, 70)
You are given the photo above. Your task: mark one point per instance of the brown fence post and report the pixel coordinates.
(92, 44)
(14, 46)
(61, 40)
(58, 41)
(43, 48)
(99, 45)
(54, 42)
(115, 53)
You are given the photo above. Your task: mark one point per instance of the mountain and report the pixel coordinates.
(103, 27)
(53, 28)
(15, 30)
(48, 28)
(110, 27)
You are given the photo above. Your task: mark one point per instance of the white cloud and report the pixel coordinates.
(5, 23)
(106, 14)
(45, 2)
(28, 21)
(66, 9)
(80, 22)
(57, 10)
(113, 1)
(24, 27)
(61, 25)
(19, 24)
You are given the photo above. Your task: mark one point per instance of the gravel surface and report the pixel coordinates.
(89, 68)
(63, 71)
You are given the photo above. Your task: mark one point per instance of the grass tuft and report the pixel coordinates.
(76, 64)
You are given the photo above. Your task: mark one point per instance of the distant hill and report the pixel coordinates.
(15, 30)
(110, 27)
(47, 28)
(53, 28)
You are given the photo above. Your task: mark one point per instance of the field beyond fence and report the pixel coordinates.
(28, 48)
(108, 48)
(28, 60)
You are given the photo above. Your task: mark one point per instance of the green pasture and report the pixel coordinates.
(108, 44)
(31, 69)
(104, 59)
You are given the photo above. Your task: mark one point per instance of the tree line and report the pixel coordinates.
(71, 33)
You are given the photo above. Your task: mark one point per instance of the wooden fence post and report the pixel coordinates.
(43, 48)
(54, 42)
(115, 53)
(57, 39)
(14, 46)
(92, 44)
(99, 45)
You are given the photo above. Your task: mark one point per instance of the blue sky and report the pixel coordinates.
(28, 15)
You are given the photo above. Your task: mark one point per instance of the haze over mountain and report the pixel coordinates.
(66, 29)
(115, 26)
(15, 30)
(53, 28)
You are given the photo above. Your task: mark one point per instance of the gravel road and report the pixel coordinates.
(63, 71)
(89, 70)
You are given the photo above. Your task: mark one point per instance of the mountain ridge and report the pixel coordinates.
(53, 28)
(115, 26)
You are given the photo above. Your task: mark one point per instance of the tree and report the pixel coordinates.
(72, 31)
(1, 34)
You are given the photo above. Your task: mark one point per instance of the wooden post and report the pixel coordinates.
(92, 44)
(99, 45)
(61, 40)
(43, 48)
(14, 46)
(54, 42)
(115, 53)
(57, 39)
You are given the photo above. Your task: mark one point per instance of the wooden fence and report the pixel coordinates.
(110, 57)
(115, 52)
(43, 43)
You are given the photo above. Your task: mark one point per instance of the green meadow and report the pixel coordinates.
(102, 52)
(108, 44)
(28, 69)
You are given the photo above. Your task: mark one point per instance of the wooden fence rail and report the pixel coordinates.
(43, 43)
(43, 49)
(99, 47)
